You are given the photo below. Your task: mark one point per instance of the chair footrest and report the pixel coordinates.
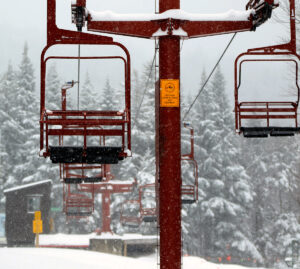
(266, 131)
(101, 155)
(84, 179)
(188, 201)
(149, 219)
(81, 214)
(131, 225)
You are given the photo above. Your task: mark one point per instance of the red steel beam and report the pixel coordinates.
(88, 113)
(106, 188)
(84, 122)
(208, 28)
(267, 116)
(75, 132)
(56, 35)
(169, 153)
(146, 29)
(106, 219)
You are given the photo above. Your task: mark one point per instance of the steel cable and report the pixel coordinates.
(211, 73)
(145, 89)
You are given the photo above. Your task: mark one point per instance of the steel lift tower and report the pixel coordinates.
(169, 26)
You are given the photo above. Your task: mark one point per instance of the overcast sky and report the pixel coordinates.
(22, 21)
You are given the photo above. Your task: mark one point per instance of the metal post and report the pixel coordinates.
(37, 240)
(106, 212)
(293, 25)
(169, 163)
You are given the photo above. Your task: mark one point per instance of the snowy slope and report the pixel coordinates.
(84, 239)
(36, 258)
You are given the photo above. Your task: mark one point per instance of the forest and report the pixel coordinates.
(248, 205)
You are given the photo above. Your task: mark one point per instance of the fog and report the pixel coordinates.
(22, 21)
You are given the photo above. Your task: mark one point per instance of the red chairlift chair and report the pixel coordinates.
(189, 192)
(130, 214)
(84, 123)
(76, 204)
(268, 110)
(87, 187)
(107, 185)
(147, 198)
(81, 172)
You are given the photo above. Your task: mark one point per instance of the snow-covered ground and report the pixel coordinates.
(45, 258)
(61, 239)
(83, 240)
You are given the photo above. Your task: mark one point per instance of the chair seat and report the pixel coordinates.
(81, 214)
(131, 225)
(266, 131)
(187, 201)
(149, 219)
(101, 155)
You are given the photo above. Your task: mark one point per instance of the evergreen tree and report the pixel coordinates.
(224, 183)
(26, 101)
(271, 162)
(53, 89)
(88, 97)
(11, 135)
(136, 91)
(142, 165)
(27, 116)
(108, 99)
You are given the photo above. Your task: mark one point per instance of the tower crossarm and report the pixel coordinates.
(176, 22)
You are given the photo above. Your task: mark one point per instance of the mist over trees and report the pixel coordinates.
(248, 205)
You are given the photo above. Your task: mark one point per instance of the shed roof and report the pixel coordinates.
(27, 185)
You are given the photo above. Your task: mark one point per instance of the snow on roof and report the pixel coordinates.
(27, 185)
(231, 15)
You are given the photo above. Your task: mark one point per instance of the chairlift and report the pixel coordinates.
(81, 173)
(189, 192)
(86, 123)
(82, 123)
(130, 214)
(268, 111)
(147, 197)
(76, 204)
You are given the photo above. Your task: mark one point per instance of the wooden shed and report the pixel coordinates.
(21, 203)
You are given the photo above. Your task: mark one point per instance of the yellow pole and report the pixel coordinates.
(37, 240)
(125, 249)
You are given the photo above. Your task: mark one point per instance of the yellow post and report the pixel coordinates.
(37, 241)
(125, 249)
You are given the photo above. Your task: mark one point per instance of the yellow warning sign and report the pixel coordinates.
(37, 227)
(169, 93)
(37, 224)
(37, 215)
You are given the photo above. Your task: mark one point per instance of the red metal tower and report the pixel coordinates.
(105, 185)
(169, 27)
(106, 188)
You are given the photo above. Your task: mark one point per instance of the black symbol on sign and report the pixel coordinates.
(170, 87)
